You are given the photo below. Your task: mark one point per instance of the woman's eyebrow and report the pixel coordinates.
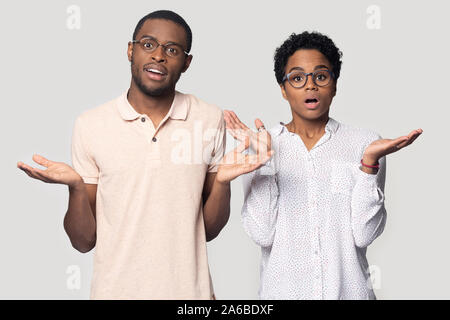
(296, 68)
(320, 66)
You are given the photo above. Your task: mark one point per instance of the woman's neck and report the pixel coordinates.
(307, 128)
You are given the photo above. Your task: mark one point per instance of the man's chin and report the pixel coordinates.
(154, 91)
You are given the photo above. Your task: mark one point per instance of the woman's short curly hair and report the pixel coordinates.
(307, 40)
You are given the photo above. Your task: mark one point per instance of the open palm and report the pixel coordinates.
(56, 172)
(259, 141)
(383, 147)
(236, 163)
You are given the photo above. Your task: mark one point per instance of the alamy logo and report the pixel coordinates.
(73, 21)
(74, 279)
(374, 20)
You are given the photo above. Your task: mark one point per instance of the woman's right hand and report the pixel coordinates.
(56, 172)
(260, 141)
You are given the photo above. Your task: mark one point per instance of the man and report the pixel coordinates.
(147, 189)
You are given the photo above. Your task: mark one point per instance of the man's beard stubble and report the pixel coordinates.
(146, 90)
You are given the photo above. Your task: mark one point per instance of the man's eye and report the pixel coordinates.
(147, 45)
(297, 78)
(172, 50)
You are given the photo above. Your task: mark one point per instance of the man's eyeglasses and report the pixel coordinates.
(298, 79)
(149, 44)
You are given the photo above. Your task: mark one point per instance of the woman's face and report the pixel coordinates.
(310, 102)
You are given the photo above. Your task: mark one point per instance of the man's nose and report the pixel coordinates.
(158, 54)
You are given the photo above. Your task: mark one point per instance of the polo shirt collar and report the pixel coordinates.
(178, 110)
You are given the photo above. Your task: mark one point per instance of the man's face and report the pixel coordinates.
(310, 102)
(166, 69)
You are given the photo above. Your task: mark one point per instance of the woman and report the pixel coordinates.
(319, 202)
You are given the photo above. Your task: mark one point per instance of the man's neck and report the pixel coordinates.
(156, 107)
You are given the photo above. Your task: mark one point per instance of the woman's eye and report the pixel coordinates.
(321, 77)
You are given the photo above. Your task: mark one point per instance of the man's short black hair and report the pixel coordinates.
(166, 15)
(307, 40)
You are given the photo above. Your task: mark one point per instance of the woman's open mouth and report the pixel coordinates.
(312, 103)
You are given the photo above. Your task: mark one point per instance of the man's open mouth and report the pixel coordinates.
(154, 71)
(155, 74)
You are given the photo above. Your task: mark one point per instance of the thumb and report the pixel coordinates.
(258, 123)
(41, 160)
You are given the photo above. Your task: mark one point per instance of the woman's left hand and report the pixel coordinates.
(383, 147)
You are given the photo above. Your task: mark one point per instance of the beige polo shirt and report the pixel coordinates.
(150, 232)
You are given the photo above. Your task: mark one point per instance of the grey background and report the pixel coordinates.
(393, 80)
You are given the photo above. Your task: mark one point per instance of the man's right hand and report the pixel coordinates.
(56, 172)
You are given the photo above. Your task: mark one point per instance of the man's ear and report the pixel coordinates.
(187, 63)
(130, 51)
(283, 91)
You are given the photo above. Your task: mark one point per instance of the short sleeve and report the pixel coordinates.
(219, 145)
(82, 159)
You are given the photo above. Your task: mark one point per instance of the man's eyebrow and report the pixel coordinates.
(169, 42)
(320, 66)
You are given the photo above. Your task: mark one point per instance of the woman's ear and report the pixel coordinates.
(334, 89)
(283, 91)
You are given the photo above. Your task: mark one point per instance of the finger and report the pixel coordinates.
(259, 124)
(398, 142)
(238, 122)
(42, 177)
(232, 122)
(41, 160)
(232, 128)
(32, 174)
(23, 166)
(411, 137)
(41, 172)
(238, 134)
(415, 136)
(226, 116)
(27, 172)
(228, 122)
(402, 144)
(414, 132)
